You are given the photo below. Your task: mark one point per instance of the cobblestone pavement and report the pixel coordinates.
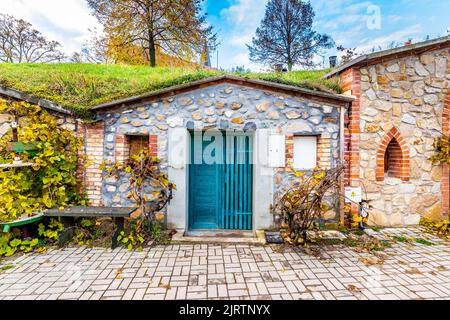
(410, 271)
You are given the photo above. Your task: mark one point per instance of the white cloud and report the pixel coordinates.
(241, 19)
(401, 36)
(65, 21)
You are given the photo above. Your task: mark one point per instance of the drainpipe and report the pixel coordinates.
(342, 160)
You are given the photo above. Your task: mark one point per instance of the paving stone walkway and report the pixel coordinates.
(410, 271)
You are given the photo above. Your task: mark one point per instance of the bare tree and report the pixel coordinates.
(19, 42)
(95, 50)
(285, 35)
(175, 27)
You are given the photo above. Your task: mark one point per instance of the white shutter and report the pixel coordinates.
(305, 153)
(277, 151)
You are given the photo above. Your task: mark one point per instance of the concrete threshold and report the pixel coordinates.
(221, 237)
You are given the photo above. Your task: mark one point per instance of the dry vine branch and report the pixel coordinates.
(304, 203)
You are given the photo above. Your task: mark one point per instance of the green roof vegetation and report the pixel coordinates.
(81, 86)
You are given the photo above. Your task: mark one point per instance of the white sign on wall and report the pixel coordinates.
(305, 152)
(277, 151)
(353, 195)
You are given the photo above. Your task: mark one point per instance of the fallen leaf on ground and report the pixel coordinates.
(165, 286)
(370, 261)
(353, 288)
(413, 271)
(118, 273)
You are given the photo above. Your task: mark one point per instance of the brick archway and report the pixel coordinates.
(393, 156)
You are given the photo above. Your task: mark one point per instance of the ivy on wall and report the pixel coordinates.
(51, 181)
(442, 150)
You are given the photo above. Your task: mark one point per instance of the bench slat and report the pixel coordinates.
(90, 212)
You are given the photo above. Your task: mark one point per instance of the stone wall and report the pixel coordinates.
(402, 100)
(223, 106)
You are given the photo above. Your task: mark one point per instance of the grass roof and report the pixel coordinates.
(81, 86)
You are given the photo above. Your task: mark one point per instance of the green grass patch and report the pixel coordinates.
(81, 86)
(7, 267)
(424, 242)
(401, 239)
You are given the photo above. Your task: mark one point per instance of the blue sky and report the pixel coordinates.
(351, 23)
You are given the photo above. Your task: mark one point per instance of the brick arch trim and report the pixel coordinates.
(404, 163)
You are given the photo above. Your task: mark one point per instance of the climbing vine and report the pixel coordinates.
(442, 150)
(302, 205)
(51, 181)
(150, 189)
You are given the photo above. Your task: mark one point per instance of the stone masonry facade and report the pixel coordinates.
(224, 107)
(401, 106)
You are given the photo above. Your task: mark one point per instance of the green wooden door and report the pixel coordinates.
(220, 191)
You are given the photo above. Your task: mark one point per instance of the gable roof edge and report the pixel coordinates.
(47, 104)
(443, 42)
(220, 79)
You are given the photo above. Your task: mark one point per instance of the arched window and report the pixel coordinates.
(393, 157)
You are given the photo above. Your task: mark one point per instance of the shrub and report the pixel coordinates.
(51, 181)
(144, 174)
(302, 205)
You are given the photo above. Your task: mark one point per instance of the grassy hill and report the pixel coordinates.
(81, 86)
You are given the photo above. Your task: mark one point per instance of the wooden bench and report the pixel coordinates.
(68, 215)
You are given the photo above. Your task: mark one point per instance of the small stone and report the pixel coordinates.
(220, 105)
(124, 187)
(210, 111)
(111, 189)
(436, 174)
(371, 95)
(228, 90)
(420, 69)
(419, 88)
(229, 113)
(408, 119)
(185, 101)
(431, 99)
(370, 112)
(383, 80)
(236, 106)
(397, 93)
(293, 114)
(237, 120)
(197, 115)
(396, 109)
(273, 115)
(407, 188)
(279, 105)
(393, 68)
(315, 120)
(136, 123)
(427, 59)
(210, 119)
(160, 117)
(125, 120)
(327, 109)
(372, 128)
(144, 115)
(175, 121)
(162, 127)
(263, 107)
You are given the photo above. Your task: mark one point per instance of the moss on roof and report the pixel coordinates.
(81, 86)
